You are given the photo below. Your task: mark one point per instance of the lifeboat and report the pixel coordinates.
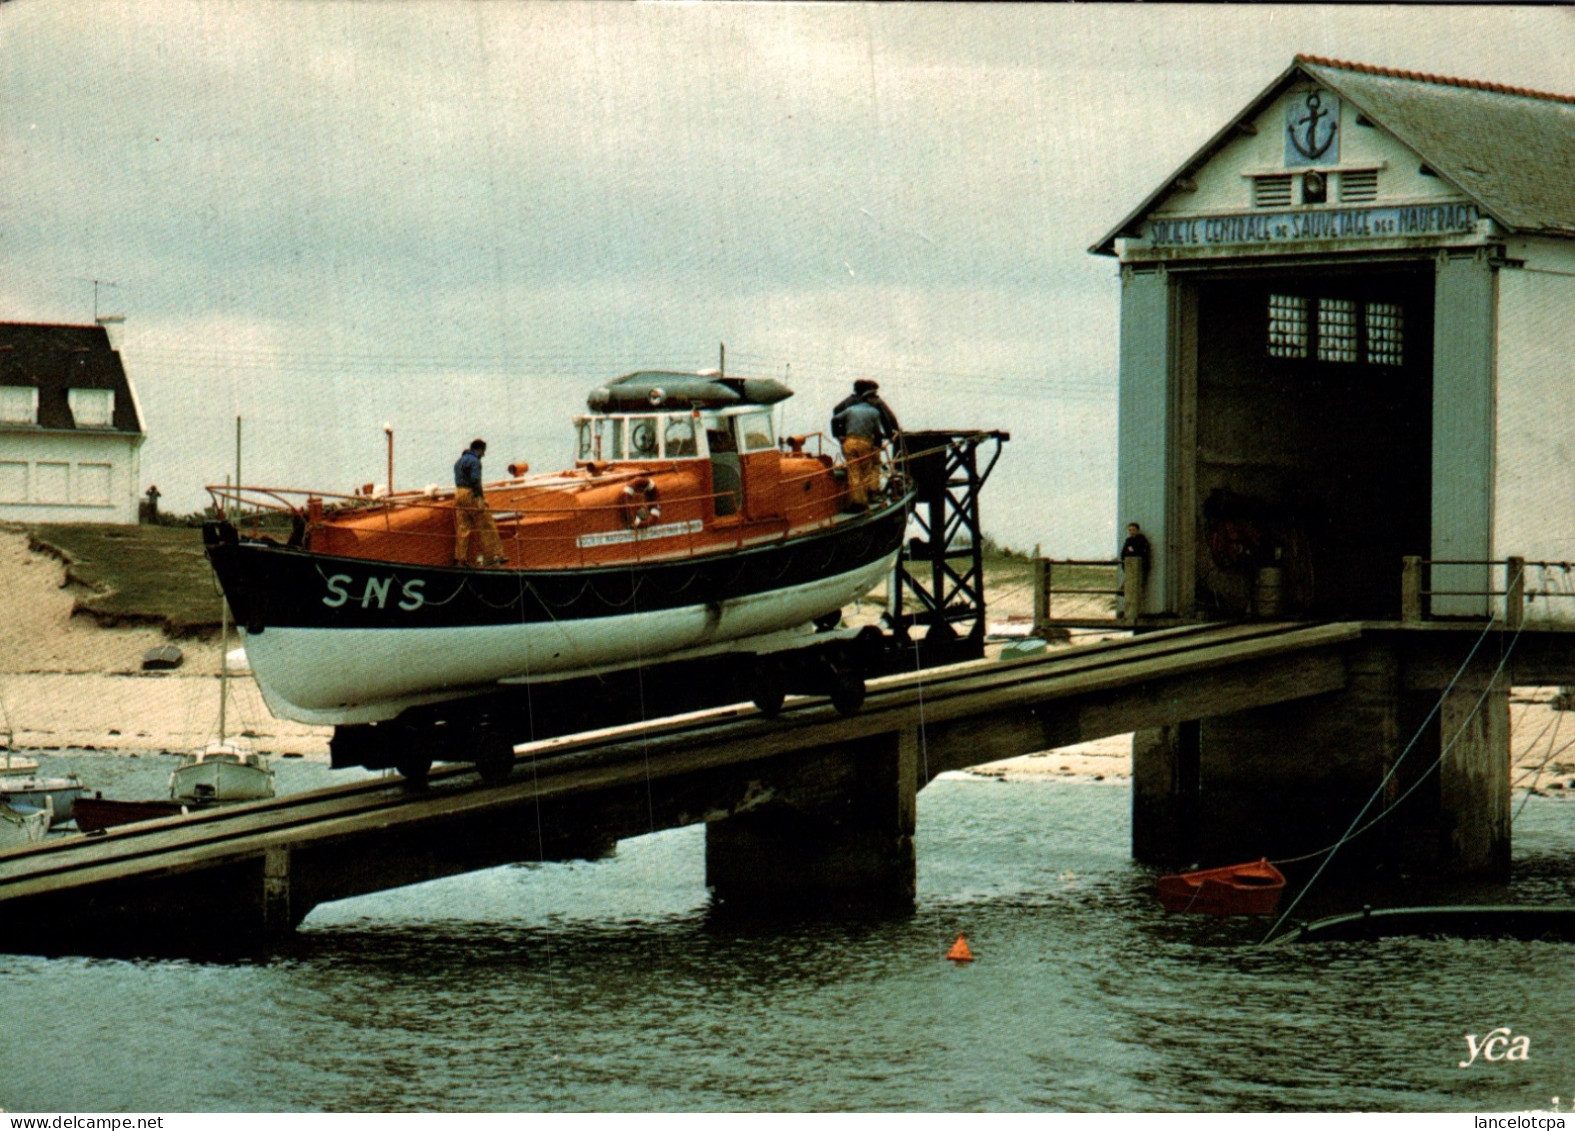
(685, 527)
(1236, 889)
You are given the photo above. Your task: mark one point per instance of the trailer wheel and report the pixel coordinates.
(768, 700)
(847, 692)
(493, 755)
(413, 765)
(412, 754)
(768, 685)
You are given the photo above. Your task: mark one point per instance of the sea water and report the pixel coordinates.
(613, 986)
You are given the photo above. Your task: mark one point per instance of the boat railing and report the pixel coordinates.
(681, 520)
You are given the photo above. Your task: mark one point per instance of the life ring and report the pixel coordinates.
(640, 507)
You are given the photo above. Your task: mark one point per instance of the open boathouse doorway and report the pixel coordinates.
(1311, 399)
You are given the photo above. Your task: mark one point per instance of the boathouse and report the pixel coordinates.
(70, 427)
(1347, 338)
(1346, 342)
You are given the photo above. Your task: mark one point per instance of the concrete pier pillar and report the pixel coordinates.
(1165, 795)
(1287, 780)
(1292, 779)
(837, 837)
(278, 917)
(1473, 779)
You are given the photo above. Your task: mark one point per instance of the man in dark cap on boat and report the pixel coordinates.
(863, 422)
(470, 510)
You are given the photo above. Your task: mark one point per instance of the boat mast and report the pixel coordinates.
(224, 608)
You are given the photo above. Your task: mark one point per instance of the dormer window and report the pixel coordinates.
(92, 408)
(18, 404)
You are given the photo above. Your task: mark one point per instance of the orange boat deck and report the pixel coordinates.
(595, 514)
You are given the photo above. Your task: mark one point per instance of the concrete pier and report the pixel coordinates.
(1288, 779)
(1165, 795)
(837, 832)
(1253, 740)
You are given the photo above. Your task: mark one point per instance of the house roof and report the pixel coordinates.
(1511, 150)
(53, 359)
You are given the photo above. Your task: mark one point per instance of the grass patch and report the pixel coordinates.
(144, 575)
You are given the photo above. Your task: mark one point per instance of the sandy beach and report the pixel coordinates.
(67, 683)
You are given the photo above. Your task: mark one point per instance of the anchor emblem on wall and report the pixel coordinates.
(1312, 130)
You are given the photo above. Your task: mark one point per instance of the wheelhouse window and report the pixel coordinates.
(92, 408)
(678, 438)
(18, 404)
(643, 438)
(754, 431)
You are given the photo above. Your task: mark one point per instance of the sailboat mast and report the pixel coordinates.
(224, 610)
(237, 462)
(224, 663)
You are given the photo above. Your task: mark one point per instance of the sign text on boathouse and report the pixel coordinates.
(1300, 225)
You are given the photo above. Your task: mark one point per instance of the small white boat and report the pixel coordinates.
(14, 763)
(222, 771)
(36, 793)
(20, 827)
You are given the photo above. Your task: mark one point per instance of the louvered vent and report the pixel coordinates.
(1271, 192)
(1359, 185)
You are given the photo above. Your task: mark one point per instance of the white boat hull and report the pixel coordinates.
(53, 795)
(333, 676)
(21, 827)
(222, 775)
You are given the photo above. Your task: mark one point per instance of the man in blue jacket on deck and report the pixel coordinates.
(470, 510)
(862, 422)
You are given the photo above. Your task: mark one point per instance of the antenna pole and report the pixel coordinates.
(721, 365)
(388, 430)
(224, 626)
(237, 465)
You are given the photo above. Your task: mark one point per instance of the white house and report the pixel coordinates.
(1348, 337)
(70, 427)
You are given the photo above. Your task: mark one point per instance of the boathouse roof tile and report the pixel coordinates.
(1510, 149)
(54, 359)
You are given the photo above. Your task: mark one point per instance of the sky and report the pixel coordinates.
(455, 219)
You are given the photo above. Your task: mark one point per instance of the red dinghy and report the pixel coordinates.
(1237, 889)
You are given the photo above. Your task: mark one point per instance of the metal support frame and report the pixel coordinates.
(948, 597)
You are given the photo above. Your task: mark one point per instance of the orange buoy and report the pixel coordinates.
(959, 951)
